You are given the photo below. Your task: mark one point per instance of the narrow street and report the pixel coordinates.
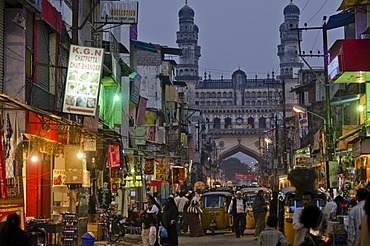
(222, 237)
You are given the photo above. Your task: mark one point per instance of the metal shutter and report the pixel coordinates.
(42, 55)
(29, 30)
(62, 73)
(39, 90)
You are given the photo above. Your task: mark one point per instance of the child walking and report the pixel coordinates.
(271, 236)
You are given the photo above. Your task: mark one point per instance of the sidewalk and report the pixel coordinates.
(129, 240)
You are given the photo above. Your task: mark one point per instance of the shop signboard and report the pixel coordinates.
(333, 174)
(83, 79)
(73, 165)
(119, 12)
(135, 80)
(59, 177)
(114, 156)
(244, 176)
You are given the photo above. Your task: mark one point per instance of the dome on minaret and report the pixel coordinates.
(186, 11)
(291, 9)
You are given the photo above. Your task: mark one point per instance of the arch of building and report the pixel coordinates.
(240, 148)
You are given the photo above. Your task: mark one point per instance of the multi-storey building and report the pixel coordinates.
(239, 109)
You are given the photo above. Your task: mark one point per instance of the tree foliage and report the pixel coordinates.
(303, 179)
(233, 165)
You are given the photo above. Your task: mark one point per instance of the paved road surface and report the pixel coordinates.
(220, 238)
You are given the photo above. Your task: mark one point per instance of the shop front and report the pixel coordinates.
(361, 154)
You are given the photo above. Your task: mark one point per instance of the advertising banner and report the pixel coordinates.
(83, 79)
(140, 117)
(244, 176)
(59, 177)
(6, 209)
(149, 167)
(114, 156)
(73, 165)
(3, 190)
(119, 12)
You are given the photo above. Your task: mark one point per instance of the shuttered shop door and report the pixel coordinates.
(41, 98)
(42, 55)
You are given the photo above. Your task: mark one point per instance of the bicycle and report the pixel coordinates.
(112, 226)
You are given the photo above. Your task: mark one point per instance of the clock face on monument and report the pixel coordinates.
(239, 121)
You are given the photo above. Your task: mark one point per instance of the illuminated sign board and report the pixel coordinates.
(83, 79)
(119, 12)
(333, 68)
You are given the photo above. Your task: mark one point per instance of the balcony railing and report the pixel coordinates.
(232, 131)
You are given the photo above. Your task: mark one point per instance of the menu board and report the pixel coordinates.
(83, 78)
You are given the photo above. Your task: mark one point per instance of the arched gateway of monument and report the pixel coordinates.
(233, 141)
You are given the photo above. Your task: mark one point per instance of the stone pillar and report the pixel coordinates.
(256, 122)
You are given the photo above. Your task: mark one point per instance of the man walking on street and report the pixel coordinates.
(355, 218)
(307, 218)
(238, 209)
(259, 212)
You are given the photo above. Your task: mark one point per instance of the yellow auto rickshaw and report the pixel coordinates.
(250, 194)
(287, 204)
(214, 205)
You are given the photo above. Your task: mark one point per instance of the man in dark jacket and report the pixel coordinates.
(238, 209)
(259, 212)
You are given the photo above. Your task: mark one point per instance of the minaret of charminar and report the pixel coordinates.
(187, 39)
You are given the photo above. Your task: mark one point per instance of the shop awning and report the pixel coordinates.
(9, 103)
(350, 4)
(341, 19)
(351, 133)
(344, 99)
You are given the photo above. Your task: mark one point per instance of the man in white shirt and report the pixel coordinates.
(330, 209)
(238, 209)
(355, 218)
(180, 202)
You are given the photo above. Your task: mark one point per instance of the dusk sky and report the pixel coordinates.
(236, 33)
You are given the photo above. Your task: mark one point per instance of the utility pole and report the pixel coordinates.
(75, 10)
(285, 163)
(328, 130)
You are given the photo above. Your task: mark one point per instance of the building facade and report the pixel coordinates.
(238, 111)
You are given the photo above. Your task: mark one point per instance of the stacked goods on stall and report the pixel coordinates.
(70, 232)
